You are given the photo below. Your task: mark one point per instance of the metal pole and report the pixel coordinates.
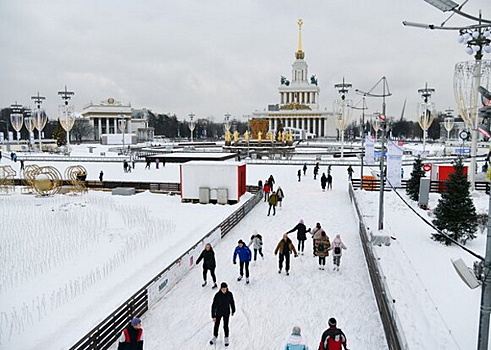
(382, 175)
(473, 113)
(486, 291)
(362, 140)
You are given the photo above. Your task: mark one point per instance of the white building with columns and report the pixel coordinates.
(106, 115)
(299, 101)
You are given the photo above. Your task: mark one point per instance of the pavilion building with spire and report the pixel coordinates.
(299, 101)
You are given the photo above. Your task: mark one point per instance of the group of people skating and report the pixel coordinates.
(274, 198)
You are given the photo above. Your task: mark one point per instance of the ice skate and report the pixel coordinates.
(213, 340)
(287, 273)
(334, 269)
(279, 271)
(239, 278)
(226, 341)
(214, 286)
(247, 280)
(204, 284)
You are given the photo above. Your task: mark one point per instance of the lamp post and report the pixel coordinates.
(375, 122)
(29, 123)
(449, 122)
(16, 119)
(342, 112)
(39, 116)
(66, 114)
(191, 125)
(426, 112)
(362, 131)
(122, 127)
(382, 117)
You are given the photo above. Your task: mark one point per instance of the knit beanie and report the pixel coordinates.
(135, 321)
(332, 322)
(296, 330)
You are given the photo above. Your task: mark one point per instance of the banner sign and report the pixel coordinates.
(394, 164)
(369, 148)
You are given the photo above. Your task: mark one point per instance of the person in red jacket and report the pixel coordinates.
(333, 338)
(266, 190)
(132, 336)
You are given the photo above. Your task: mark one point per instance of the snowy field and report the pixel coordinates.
(84, 276)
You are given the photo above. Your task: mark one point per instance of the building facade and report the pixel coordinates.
(299, 101)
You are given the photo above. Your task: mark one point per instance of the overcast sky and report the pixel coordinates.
(223, 56)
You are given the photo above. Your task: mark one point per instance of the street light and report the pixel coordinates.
(362, 130)
(191, 125)
(382, 117)
(39, 117)
(122, 127)
(426, 112)
(342, 112)
(66, 114)
(449, 122)
(16, 119)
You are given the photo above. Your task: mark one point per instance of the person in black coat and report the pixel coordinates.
(301, 234)
(208, 257)
(324, 181)
(223, 303)
(132, 336)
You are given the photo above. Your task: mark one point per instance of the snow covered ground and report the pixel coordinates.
(436, 309)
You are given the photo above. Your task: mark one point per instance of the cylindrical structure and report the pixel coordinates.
(468, 76)
(66, 116)
(40, 119)
(426, 115)
(342, 115)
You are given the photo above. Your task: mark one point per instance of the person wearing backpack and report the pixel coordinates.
(132, 336)
(333, 338)
(316, 233)
(257, 244)
(337, 247)
(321, 249)
(296, 341)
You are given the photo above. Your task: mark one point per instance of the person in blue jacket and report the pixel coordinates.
(244, 254)
(296, 341)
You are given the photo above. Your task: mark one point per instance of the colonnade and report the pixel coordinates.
(314, 125)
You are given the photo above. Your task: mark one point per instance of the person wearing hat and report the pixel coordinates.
(132, 336)
(301, 234)
(296, 341)
(333, 338)
(244, 254)
(223, 303)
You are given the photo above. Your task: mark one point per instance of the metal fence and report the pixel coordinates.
(105, 334)
(394, 334)
(435, 186)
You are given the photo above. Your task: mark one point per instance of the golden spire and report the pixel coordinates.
(300, 54)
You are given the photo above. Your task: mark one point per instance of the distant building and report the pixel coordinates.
(299, 101)
(106, 115)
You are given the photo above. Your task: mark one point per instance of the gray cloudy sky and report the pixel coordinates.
(218, 56)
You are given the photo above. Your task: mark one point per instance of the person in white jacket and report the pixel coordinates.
(296, 341)
(337, 246)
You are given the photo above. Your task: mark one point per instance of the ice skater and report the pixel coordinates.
(337, 247)
(244, 254)
(301, 235)
(321, 249)
(285, 247)
(223, 303)
(209, 263)
(257, 244)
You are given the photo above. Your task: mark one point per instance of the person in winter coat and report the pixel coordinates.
(323, 182)
(223, 303)
(280, 194)
(296, 341)
(266, 190)
(316, 172)
(304, 169)
(271, 182)
(316, 234)
(299, 174)
(337, 246)
(257, 244)
(101, 176)
(244, 254)
(321, 249)
(285, 247)
(350, 173)
(132, 336)
(273, 201)
(208, 257)
(301, 234)
(329, 182)
(333, 338)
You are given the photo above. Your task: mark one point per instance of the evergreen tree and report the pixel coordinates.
(455, 213)
(59, 134)
(412, 188)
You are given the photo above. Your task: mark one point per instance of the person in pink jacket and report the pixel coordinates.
(337, 246)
